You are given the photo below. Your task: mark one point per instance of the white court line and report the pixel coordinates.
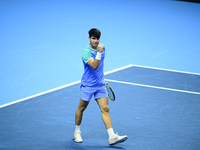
(164, 69)
(115, 70)
(42, 93)
(58, 88)
(150, 86)
(112, 71)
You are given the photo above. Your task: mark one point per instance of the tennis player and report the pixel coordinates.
(93, 84)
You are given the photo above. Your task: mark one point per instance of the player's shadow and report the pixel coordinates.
(113, 147)
(74, 146)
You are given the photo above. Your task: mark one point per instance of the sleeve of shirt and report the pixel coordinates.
(86, 55)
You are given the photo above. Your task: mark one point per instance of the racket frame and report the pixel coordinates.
(111, 91)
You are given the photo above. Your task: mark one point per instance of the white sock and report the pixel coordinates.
(77, 128)
(110, 132)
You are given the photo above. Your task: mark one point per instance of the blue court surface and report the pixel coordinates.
(40, 67)
(158, 109)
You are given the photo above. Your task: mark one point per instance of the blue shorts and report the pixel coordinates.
(86, 92)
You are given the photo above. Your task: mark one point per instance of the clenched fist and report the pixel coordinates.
(100, 48)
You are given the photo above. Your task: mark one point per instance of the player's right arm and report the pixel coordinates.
(94, 63)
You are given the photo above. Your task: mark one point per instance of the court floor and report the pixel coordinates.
(158, 109)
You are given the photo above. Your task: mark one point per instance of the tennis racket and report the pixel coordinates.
(110, 92)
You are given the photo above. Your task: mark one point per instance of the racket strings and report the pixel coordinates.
(110, 93)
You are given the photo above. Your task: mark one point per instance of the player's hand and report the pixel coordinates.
(100, 48)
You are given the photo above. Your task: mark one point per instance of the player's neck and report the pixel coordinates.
(95, 48)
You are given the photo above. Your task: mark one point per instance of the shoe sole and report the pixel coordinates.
(77, 141)
(120, 141)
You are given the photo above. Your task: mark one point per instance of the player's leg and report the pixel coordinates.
(102, 100)
(85, 96)
(78, 119)
(105, 114)
(79, 112)
(113, 138)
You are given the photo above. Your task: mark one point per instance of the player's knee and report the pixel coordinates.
(105, 108)
(81, 109)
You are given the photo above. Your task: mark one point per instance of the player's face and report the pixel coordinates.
(94, 42)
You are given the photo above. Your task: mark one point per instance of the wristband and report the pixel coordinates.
(98, 56)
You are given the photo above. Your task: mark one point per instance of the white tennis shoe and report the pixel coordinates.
(117, 139)
(77, 137)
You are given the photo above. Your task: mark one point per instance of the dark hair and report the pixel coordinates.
(94, 32)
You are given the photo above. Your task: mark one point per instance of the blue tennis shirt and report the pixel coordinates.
(91, 77)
